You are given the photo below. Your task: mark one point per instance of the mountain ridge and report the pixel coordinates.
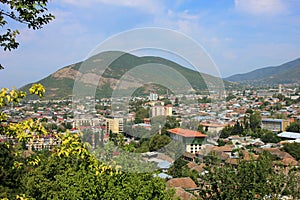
(286, 73)
(105, 70)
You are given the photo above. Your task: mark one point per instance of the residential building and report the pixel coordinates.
(114, 124)
(275, 125)
(192, 140)
(213, 128)
(161, 110)
(153, 96)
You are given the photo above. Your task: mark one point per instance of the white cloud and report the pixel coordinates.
(261, 7)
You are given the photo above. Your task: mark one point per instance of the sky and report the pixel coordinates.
(238, 35)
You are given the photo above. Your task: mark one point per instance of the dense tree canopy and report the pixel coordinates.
(293, 149)
(294, 127)
(248, 180)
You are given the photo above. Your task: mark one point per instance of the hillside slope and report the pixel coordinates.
(105, 73)
(287, 73)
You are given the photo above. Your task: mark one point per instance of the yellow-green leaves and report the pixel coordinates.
(37, 89)
(14, 96)
(7, 96)
(72, 147)
(25, 130)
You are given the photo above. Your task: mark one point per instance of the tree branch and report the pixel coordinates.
(13, 17)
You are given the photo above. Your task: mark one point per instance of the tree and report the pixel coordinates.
(293, 149)
(69, 171)
(269, 137)
(176, 103)
(176, 169)
(140, 114)
(255, 121)
(249, 180)
(72, 172)
(158, 141)
(54, 117)
(33, 13)
(230, 97)
(201, 128)
(226, 131)
(237, 129)
(294, 127)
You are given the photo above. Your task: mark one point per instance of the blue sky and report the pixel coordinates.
(239, 35)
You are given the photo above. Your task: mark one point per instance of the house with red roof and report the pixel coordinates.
(192, 140)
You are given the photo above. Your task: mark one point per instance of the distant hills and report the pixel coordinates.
(110, 71)
(287, 73)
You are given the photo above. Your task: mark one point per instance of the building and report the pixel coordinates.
(275, 125)
(81, 121)
(192, 140)
(280, 88)
(143, 125)
(153, 96)
(114, 124)
(213, 128)
(289, 135)
(161, 110)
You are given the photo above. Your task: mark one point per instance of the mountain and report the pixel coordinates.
(120, 73)
(287, 73)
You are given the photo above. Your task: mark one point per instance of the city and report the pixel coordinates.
(244, 125)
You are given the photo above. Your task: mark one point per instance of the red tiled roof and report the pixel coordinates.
(182, 194)
(289, 162)
(186, 132)
(185, 182)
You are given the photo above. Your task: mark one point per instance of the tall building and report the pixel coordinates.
(280, 88)
(161, 110)
(192, 140)
(114, 124)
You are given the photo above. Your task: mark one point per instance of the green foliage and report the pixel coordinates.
(140, 114)
(154, 143)
(9, 174)
(201, 128)
(226, 132)
(269, 137)
(171, 122)
(180, 169)
(10, 96)
(293, 149)
(221, 142)
(176, 170)
(237, 129)
(158, 141)
(32, 13)
(230, 97)
(115, 71)
(249, 180)
(70, 171)
(294, 127)
(255, 121)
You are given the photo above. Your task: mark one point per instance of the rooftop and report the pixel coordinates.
(186, 132)
(185, 183)
(291, 135)
(272, 120)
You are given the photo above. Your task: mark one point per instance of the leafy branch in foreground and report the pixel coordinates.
(33, 13)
